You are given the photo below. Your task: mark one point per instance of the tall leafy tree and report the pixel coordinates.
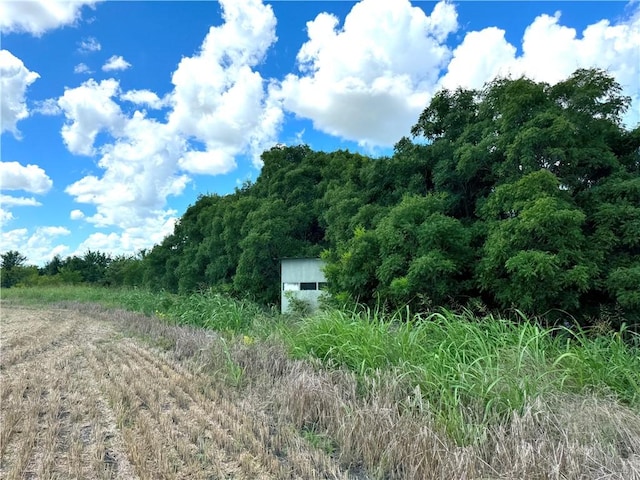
(12, 268)
(12, 259)
(534, 257)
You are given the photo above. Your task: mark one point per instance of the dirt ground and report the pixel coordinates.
(80, 399)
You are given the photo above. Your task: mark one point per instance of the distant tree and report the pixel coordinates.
(13, 268)
(91, 267)
(12, 259)
(124, 270)
(53, 267)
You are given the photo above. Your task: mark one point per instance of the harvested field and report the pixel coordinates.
(81, 400)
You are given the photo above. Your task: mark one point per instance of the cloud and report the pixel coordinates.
(89, 45)
(139, 172)
(14, 80)
(131, 241)
(82, 68)
(5, 216)
(472, 66)
(39, 246)
(8, 200)
(550, 53)
(47, 107)
(219, 100)
(14, 176)
(76, 215)
(214, 161)
(143, 97)
(13, 239)
(116, 62)
(369, 80)
(139, 159)
(90, 109)
(38, 16)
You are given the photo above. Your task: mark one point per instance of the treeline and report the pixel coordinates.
(520, 195)
(92, 267)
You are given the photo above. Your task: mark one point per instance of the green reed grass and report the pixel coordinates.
(214, 311)
(472, 372)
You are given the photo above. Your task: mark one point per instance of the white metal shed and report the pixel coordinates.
(304, 278)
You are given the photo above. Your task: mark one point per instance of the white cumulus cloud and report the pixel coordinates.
(76, 214)
(219, 99)
(82, 68)
(8, 200)
(551, 52)
(39, 245)
(14, 80)
(5, 216)
(14, 176)
(130, 241)
(90, 109)
(116, 62)
(481, 56)
(369, 80)
(47, 107)
(13, 239)
(30, 178)
(38, 16)
(143, 97)
(89, 45)
(139, 173)
(139, 162)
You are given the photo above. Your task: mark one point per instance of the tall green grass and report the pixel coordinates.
(472, 372)
(59, 293)
(133, 299)
(215, 312)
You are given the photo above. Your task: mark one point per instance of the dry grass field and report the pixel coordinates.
(90, 393)
(80, 400)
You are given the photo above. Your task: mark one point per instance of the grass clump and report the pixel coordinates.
(471, 373)
(214, 311)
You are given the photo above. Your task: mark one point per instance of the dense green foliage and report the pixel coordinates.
(13, 269)
(92, 268)
(520, 195)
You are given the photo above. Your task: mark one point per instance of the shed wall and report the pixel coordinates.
(297, 277)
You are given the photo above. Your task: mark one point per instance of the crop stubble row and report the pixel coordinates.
(80, 400)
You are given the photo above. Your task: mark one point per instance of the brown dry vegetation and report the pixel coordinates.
(89, 393)
(79, 400)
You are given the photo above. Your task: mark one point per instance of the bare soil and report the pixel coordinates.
(79, 398)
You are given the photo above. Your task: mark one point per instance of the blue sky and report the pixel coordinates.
(116, 115)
